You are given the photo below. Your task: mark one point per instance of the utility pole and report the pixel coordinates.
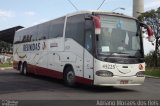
(138, 7)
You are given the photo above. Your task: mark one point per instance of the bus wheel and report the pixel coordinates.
(21, 68)
(25, 69)
(69, 76)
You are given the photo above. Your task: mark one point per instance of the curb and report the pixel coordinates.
(6, 68)
(152, 77)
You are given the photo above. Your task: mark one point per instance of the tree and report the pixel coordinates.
(5, 47)
(150, 59)
(152, 18)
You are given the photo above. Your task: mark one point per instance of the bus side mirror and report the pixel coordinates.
(151, 37)
(97, 24)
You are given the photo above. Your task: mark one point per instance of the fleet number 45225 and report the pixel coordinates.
(109, 66)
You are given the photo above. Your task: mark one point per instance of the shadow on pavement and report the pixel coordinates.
(12, 82)
(81, 87)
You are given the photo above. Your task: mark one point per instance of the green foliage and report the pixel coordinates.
(5, 65)
(149, 14)
(5, 47)
(158, 10)
(153, 72)
(150, 59)
(152, 18)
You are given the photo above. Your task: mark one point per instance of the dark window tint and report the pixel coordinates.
(18, 38)
(75, 28)
(56, 27)
(32, 32)
(89, 25)
(47, 30)
(43, 31)
(26, 35)
(88, 40)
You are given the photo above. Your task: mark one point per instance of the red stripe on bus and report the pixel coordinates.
(55, 74)
(84, 80)
(44, 71)
(51, 73)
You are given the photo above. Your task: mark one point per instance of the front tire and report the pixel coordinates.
(69, 76)
(25, 69)
(21, 68)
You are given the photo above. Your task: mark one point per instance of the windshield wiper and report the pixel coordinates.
(112, 53)
(127, 55)
(117, 53)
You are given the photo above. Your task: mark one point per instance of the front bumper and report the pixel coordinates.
(118, 81)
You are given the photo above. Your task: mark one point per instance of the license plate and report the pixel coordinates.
(124, 81)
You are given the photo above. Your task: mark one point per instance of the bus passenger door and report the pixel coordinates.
(88, 50)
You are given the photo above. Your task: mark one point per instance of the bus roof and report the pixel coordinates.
(98, 12)
(87, 12)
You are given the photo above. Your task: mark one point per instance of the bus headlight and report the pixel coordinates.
(104, 73)
(140, 74)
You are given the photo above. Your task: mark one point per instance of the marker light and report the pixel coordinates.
(140, 74)
(104, 73)
(141, 67)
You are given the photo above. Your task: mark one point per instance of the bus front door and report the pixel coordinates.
(88, 51)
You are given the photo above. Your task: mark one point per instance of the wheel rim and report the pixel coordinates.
(70, 77)
(24, 71)
(21, 68)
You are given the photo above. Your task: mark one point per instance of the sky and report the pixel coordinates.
(31, 12)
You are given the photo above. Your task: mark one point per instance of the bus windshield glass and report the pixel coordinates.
(119, 36)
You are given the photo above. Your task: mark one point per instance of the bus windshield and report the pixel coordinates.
(119, 36)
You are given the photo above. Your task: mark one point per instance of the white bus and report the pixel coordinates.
(89, 47)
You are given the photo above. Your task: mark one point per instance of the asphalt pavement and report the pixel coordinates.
(14, 86)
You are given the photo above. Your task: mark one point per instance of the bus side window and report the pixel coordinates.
(88, 40)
